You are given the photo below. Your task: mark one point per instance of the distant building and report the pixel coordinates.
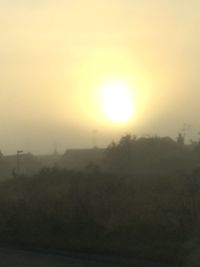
(49, 161)
(79, 159)
(8, 165)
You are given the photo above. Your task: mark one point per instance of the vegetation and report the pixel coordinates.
(96, 212)
(111, 212)
(148, 156)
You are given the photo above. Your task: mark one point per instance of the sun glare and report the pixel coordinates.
(117, 101)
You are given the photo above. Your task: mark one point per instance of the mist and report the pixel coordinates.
(55, 54)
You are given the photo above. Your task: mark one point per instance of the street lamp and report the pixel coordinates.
(18, 160)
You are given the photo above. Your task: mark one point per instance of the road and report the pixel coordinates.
(21, 258)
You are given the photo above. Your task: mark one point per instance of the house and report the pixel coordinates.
(79, 159)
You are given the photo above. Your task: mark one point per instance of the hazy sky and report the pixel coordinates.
(54, 56)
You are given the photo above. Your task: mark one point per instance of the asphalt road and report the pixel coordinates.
(18, 258)
(21, 258)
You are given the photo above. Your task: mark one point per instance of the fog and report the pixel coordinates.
(55, 54)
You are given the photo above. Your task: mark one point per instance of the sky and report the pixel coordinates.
(55, 55)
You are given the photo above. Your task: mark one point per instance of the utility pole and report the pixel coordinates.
(95, 138)
(55, 146)
(185, 129)
(18, 161)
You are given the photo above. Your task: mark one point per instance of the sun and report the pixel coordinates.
(117, 101)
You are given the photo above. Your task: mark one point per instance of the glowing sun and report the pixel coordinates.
(117, 101)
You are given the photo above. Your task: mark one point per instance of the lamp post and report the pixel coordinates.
(18, 160)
